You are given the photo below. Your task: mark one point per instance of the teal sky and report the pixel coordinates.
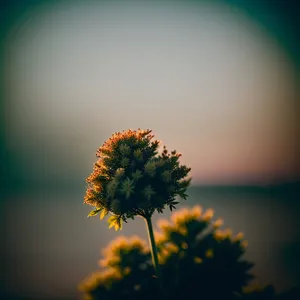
(210, 81)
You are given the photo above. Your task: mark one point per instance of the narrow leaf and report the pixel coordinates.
(103, 214)
(118, 226)
(112, 220)
(172, 207)
(111, 224)
(94, 212)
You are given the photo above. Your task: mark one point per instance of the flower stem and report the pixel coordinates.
(153, 247)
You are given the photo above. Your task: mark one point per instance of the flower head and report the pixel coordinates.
(123, 253)
(218, 223)
(208, 215)
(131, 178)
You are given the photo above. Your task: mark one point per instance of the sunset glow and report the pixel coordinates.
(207, 80)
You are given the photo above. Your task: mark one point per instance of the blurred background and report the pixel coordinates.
(216, 80)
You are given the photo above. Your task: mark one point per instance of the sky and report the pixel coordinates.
(209, 80)
(216, 80)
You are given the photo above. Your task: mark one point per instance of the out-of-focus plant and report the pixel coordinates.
(194, 247)
(259, 293)
(291, 294)
(132, 179)
(196, 256)
(126, 272)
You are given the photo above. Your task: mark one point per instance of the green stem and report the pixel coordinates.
(153, 247)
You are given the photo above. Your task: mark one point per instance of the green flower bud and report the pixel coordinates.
(150, 168)
(120, 172)
(124, 149)
(127, 187)
(137, 175)
(149, 192)
(111, 188)
(138, 154)
(124, 162)
(166, 176)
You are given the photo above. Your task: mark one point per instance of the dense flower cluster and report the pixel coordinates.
(194, 245)
(131, 178)
(195, 255)
(125, 253)
(125, 272)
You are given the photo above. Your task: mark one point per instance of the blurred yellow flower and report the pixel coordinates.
(209, 253)
(218, 223)
(112, 252)
(127, 271)
(208, 215)
(196, 211)
(164, 225)
(184, 246)
(219, 235)
(100, 277)
(244, 244)
(181, 217)
(198, 260)
(238, 237)
(227, 233)
(171, 248)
